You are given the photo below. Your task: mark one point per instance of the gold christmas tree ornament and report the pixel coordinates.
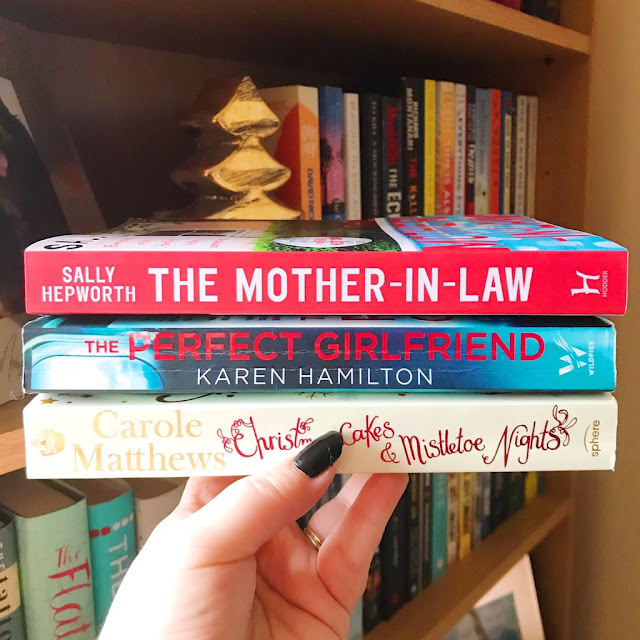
(248, 171)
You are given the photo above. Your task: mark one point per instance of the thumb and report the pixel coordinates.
(237, 522)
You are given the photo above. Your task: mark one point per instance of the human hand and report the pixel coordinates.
(230, 563)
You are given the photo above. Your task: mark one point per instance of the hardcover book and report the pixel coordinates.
(495, 145)
(53, 557)
(483, 151)
(414, 125)
(394, 559)
(11, 610)
(352, 166)
(371, 154)
(296, 144)
(453, 519)
(508, 111)
(112, 538)
(111, 435)
(445, 146)
(414, 534)
(392, 178)
(439, 524)
(430, 128)
(470, 156)
(432, 265)
(459, 176)
(352, 353)
(154, 499)
(427, 527)
(466, 482)
(331, 112)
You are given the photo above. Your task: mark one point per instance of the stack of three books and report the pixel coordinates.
(476, 309)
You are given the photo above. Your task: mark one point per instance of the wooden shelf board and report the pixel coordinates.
(11, 435)
(439, 607)
(392, 34)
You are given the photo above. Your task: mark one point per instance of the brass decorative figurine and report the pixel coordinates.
(248, 171)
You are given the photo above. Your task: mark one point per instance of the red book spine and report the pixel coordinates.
(494, 160)
(437, 281)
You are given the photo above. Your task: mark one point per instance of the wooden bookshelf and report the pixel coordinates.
(11, 436)
(478, 29)
(433, 612)
(121, 72)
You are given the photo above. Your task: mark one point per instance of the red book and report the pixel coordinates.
(399, 266)
(494, 153)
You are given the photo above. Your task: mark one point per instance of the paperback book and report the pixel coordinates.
(433, 265)
(116, 435)
(318, 353)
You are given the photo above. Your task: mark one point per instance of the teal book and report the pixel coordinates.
(112, 537)
(439, 509)
(53, 557)
(11, 612)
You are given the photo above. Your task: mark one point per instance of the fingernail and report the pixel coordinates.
(320, 454)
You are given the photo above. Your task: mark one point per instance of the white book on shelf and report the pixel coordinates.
(352, 168)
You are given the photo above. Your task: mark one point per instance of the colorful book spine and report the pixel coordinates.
(483, 150)
(414, 125)
(426, 530)
(482, 508)
(371, 154)
(465, 517)
(176, 267)
(520, 174)
(445, 146)
(394, 559)
(296, 145)
(352, 168)
(470, 189)
(414, 535)
(495, 145)
(532, 150)
(439, 523)
(53, 558)
(331, 125)
(430, 136)
(268, 353)
(459, 175)
(453, 517)
(498, 499)
(530, 486)
(75, 436)
(392, 175)
(372, 597)
(11, 610)
(112, 539)
(505, 152)
(515, 492)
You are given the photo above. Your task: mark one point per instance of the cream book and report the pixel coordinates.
(154, 499)
(111, 435)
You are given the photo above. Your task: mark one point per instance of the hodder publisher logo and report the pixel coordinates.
(592, 439)
(597, 284)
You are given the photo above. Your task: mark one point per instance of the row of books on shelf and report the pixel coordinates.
(65, 547)
(443, 148)
(439, 520)
(546, 9)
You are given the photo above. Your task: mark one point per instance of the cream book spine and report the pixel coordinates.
(111, 435)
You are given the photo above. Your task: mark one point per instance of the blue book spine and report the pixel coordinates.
(331, 124)
(112, 541)
(439, 493)
(404, 353)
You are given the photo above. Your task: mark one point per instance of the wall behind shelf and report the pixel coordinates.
(607, 561)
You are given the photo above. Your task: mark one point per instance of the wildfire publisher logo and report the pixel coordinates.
(573, 360)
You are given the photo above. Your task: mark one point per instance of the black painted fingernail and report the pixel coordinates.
(320, 454)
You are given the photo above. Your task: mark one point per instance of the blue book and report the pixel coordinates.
(112, 538)
(439, 498)
(312, 353)
(331, 124)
